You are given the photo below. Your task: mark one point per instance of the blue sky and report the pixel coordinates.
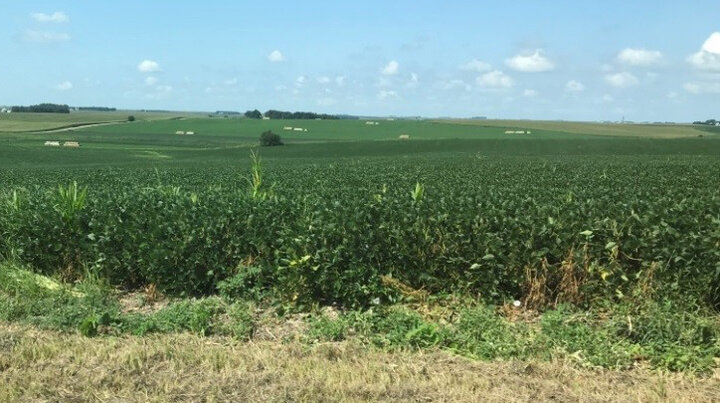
(645, 60)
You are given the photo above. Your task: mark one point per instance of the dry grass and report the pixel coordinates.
(593, 128)
(41, 366)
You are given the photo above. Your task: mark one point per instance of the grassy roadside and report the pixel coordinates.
(50, 366)
(618, 336)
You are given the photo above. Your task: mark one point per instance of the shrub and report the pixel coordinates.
(268, 138)
(131, 118)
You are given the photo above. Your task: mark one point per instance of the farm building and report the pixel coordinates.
(52, 143)
(71, 144)
(404, 137)
(266, 118)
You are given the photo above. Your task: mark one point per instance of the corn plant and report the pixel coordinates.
(71, 201)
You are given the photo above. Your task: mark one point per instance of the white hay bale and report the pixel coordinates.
(519, 131)
(190, 133)
(52, 143)
(298, 129)
(528, 132)
(509, 131)
(287, 128)
(179, 132)
(71, 144)
(404, 137)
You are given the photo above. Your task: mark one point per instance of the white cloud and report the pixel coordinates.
(414, 78)
(452, 84)
(323, 80)
(64, 86)
(607, 98)
(276, 56)
(340, 80)
(148, 66)
(639, 57)
(622, 80)
(708, 58)
(475, 65)
(231, 81)
(391, 68)
(57, 17)
(672, 95)
(528, 93)
(300, 81)
(45, 37)
(702, 88)
(150, 80)
(530, 63)
(495, 79)
(383, 94)
(574, 86)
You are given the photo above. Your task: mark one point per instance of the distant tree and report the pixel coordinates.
(42, 108)
(256, 114)
(131, 118)
(273, 114)
(268, 138)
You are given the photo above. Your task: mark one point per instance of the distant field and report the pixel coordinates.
(342, 130)
(592, 128)
(24, 122)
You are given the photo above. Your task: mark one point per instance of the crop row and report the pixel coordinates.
(357, 232)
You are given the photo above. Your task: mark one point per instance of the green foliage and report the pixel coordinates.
(71, 201)
(254, 114)
(131, 118)
(268, 138)
(328, 233)
(325, 329)
(248, 284)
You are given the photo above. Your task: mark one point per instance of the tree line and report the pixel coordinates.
(96, 108)
(275, 114)
(42, 108)
(709, 122)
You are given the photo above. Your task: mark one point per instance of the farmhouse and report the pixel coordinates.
(404, 137)
(52, 143)
(71, 144)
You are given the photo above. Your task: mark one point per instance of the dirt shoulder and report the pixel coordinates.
(40, 365)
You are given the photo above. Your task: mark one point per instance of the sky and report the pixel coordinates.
(527, 59)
